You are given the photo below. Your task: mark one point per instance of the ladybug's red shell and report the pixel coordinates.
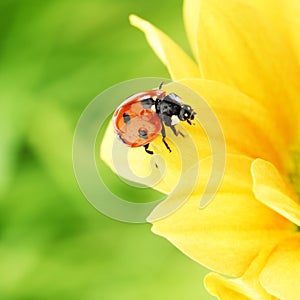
(138, 119)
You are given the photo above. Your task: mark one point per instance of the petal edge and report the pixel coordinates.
(179, 64)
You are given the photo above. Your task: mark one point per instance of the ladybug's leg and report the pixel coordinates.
(175, 131)
(163, 132)
(146, 149)
(166, 120)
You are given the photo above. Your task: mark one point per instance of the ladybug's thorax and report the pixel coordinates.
(169, 106)
(164, 107)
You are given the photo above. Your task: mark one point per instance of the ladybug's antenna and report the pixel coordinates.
(160, 86)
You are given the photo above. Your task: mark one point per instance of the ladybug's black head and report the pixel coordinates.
(186, 113)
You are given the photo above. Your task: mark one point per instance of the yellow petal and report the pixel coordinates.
(186, 151)
(239, 46)
(225, 289)
(280, 276)
(247, 125)
(285, 18)
(161, 171)
(273, 190)
(246, 287)
(232, 229)
(191, 14)
(179, 64)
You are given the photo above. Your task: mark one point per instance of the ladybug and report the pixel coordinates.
(143, 116)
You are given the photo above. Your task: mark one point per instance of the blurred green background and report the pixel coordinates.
(55, 57)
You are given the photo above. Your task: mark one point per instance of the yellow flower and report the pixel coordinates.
(247, 69)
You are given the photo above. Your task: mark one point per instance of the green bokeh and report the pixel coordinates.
(55, 57)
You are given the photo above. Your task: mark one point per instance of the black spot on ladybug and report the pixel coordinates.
(147, 103)
(143, 133)
(126, 118)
